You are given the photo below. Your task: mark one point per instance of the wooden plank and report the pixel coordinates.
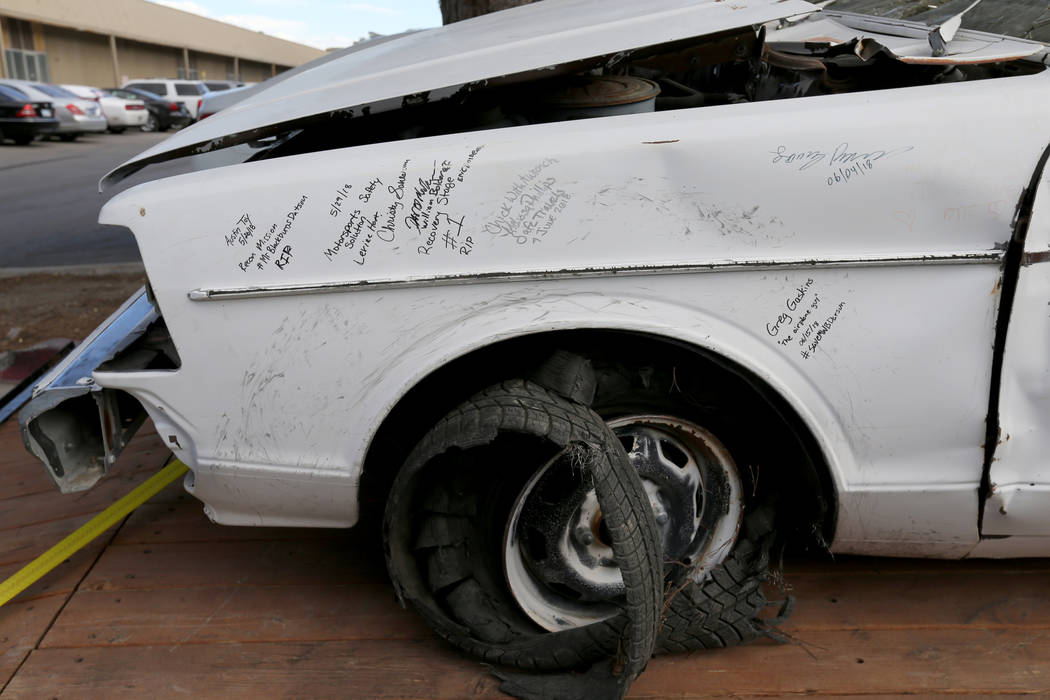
(833, 663)
(10, 442)
(975, 661)
(51, 505)
(424, 669)
(857, 565)
(20, 472)
(234, 614)
(898, 696)
(205, 564)
(24, 620)
(22, 624)
(62, 578)
(928, 599)
(34, 516)
(24, 544)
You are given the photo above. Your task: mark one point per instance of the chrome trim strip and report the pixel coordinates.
(276, 290)
(111, 336)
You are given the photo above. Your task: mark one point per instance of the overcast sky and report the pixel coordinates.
(323, 24)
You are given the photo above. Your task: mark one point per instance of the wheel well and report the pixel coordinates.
(751, 413)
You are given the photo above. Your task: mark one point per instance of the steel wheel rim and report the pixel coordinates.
(574, 581)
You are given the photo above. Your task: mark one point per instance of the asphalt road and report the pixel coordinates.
(49, 200)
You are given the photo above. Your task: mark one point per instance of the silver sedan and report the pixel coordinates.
(75, 114)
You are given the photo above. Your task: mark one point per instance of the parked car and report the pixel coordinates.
(76, 116)
(220, 85)
(120, 112)
(601, 299)
(162, 114)
(215, 101)
(188, 93)
(22, 119)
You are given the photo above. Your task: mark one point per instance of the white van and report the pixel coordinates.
(185, 92)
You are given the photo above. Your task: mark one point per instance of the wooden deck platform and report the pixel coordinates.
(170, 605)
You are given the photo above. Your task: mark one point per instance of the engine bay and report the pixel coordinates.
(731, 67)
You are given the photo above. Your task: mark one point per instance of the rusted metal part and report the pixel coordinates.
(1033, 258)
(682, 56)
(582, 92)
(970, 258)
(1014, 259)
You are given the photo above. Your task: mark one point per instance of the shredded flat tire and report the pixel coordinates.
(435, 540)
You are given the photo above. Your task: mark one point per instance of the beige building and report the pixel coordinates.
(105, 42)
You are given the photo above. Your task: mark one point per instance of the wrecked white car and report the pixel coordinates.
(582, 287)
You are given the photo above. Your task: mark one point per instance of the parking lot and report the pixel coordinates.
(51, 201)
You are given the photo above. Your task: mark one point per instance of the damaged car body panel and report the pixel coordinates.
(796, 207)
(1018, 481)
(74, 426)
(400, 217)
(534, 38)
(907, 42)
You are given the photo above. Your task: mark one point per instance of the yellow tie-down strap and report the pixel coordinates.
(37, 568)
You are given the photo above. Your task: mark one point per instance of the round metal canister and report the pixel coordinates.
(585, 96)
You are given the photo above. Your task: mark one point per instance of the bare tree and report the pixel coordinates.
(455, 10)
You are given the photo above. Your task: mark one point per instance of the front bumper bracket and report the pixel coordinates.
(75, 427)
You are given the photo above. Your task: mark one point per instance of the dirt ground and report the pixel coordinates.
(36, 307)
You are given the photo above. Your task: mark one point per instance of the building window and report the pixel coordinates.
(23, 63)
(27, 65)
(20, 33)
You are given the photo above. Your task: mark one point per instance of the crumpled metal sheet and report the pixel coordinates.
(908, 42)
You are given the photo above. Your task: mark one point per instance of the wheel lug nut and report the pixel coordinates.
(584, 535)
(661, 518)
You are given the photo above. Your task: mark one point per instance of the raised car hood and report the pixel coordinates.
(525, 38)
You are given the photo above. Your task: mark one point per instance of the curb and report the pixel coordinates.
(90, 270)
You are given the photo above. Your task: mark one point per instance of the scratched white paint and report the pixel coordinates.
(277, 399)
(296, 385)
